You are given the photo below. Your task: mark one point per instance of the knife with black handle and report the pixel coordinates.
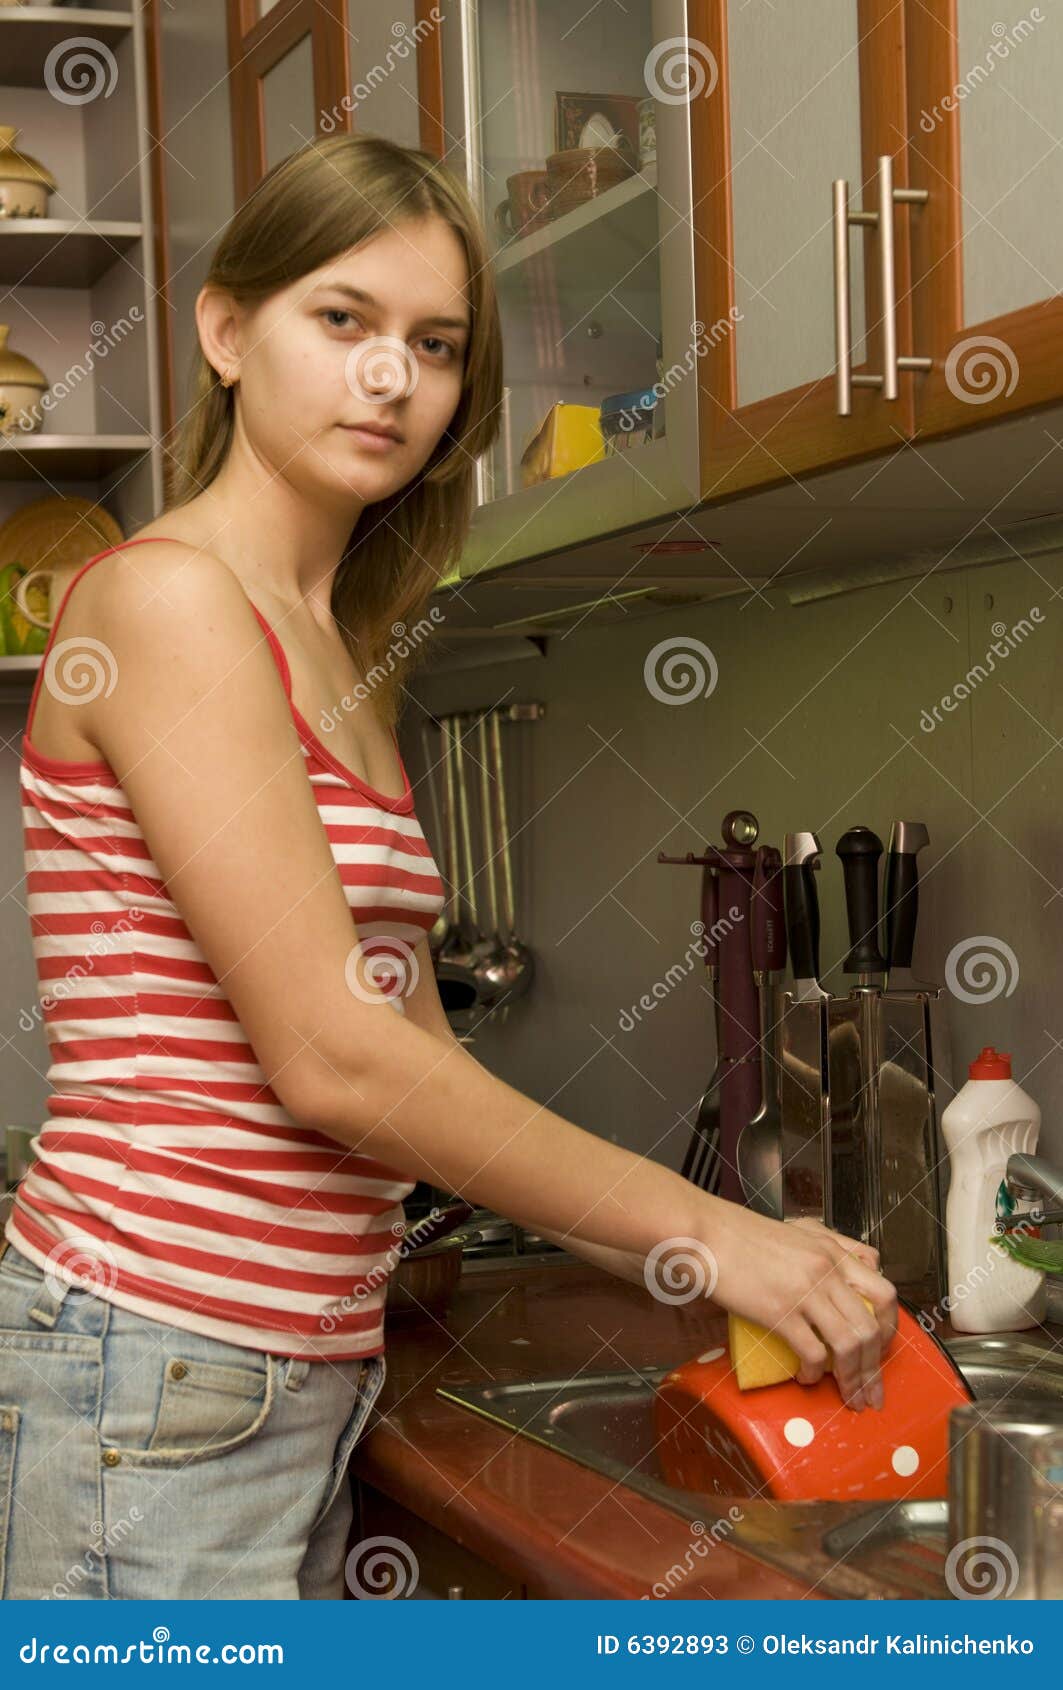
(860, 850)
(805, 1077)
(912, 1241)
(901, 904)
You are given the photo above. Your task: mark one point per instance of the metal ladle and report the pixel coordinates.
(454, 976)
(438, 931)
(513, 970)
(471, 946)
(491, 962)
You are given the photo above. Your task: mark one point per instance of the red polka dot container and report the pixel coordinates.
(800, 1443)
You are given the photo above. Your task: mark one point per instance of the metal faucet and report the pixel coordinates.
(1030, 1178)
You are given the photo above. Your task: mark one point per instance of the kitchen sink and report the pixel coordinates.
(843, 1549)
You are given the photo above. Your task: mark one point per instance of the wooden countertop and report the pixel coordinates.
(552, 1524)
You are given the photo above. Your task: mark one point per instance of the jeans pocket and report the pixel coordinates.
(9, 1422)
(205, 1409)
(370, 1385)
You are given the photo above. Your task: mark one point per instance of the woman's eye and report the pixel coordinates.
(436, 345)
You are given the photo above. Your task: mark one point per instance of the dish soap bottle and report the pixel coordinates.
(989, 1119)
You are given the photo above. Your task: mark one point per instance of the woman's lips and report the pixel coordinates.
(372, 441)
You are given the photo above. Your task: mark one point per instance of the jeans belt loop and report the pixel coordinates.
(48, 1307)
(295, 1373)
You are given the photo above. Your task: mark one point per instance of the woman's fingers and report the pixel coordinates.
(809, 1347)
(868, 1353)
(835, 1328)
(852, 1334)
(880, 1294)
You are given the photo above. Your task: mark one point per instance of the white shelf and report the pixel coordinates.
(32, 32)
(73, 457)
(622, 199)
(60, 252)
(17, 678)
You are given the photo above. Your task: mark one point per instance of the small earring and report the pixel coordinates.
(227, 379)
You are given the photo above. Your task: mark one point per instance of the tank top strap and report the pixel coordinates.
(145, 539)
(71, 584)
(275, 647)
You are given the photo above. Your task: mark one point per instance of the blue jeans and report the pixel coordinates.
(138, 1460)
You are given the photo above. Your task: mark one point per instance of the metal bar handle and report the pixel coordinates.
(882, 218)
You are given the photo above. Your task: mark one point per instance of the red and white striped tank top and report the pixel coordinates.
(169, 1178)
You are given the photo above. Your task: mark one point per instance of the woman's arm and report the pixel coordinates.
(198, 730)
(425, 1008)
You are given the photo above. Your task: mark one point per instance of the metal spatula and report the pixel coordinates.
(701, 1164)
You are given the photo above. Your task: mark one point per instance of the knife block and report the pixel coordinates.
(872, 1170)
(884, 1149)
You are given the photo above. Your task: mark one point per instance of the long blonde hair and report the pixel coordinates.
(315, 204)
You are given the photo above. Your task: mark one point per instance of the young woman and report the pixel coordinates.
(250, 1066)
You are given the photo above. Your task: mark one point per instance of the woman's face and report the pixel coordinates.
(376, 337)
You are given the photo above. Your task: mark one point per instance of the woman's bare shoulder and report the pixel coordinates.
(159, 567)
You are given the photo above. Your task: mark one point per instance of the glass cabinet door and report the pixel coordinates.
(571, 127)
(984, 139)
(800, 261)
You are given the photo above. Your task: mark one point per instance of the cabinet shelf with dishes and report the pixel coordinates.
(81, 459)
(861, 260)
(606, 235)
(588, 199)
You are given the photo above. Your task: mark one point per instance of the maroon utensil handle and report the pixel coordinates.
(710, 915)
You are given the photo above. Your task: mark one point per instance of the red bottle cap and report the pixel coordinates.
(990, 1065)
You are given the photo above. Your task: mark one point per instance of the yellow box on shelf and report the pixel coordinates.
(568, 438)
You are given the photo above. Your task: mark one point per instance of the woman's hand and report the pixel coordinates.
(805, 1282)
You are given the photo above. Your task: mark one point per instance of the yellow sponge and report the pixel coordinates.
(760, 1357)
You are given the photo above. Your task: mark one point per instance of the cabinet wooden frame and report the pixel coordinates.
(1034, 333)
(256, 45)
(797, 431)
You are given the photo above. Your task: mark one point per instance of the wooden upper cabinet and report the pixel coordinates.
(289, 80)
(787, 111)
(984, 140)
(301, 68)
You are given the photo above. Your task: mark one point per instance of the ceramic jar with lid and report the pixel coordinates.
(25, 183)
(22, 385)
